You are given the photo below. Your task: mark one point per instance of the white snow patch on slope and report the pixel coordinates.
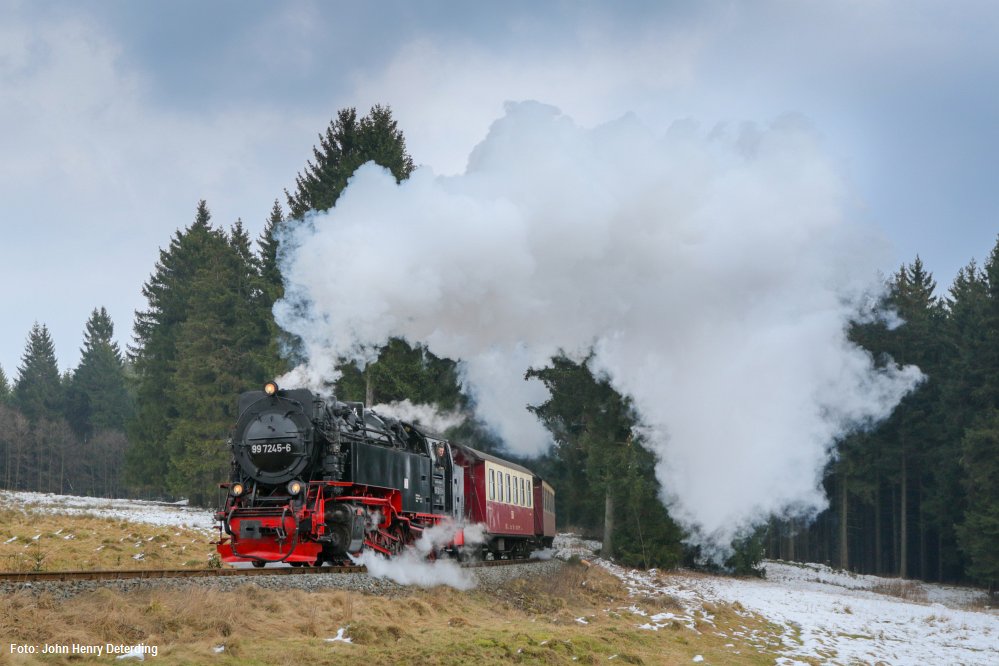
(137, 511)
(832, 616)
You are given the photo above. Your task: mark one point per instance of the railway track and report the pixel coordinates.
(153, 574)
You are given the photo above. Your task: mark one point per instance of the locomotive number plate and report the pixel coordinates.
(271, 448)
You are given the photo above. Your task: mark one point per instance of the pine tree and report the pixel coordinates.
(38, 391)
(269, 245)
(347, 144)
(604, 476)
(272, 286)
(4, 387)
(979, 534)
(97, 397)
(154, 353)
(219, 355)
(963, 401)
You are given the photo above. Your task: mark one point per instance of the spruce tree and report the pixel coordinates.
(272, 288)
(97, 398)
(4, 387)
(154, 353)
(268, 243)
(38, 391)
(348, 143)
(218, 356)
(979, 533)
(604, 476)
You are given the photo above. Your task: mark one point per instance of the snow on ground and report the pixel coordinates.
(835, 617)
(832, 616)
(138, 511)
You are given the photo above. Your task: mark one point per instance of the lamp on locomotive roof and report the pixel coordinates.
(271, 388)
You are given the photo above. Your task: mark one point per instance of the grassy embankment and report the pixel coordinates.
(529, 621)
(36, 541)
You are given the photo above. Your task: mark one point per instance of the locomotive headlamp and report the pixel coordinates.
(294, 487)
(237, 489)
(270, 388)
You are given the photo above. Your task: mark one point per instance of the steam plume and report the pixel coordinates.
(714, 274)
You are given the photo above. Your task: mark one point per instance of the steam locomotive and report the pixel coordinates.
(316, 480)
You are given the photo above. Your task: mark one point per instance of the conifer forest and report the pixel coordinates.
(915, 496)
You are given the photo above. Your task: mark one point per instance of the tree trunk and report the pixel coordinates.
(923, 564)
(878, 568)
(608, 547)
(844, 550)
(903, 516)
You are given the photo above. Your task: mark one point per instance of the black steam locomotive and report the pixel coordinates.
(317, 480)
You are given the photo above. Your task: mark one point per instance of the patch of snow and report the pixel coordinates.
(569, 545)
(135, 653)
(151, 513)
(340, 637)
(824, 615)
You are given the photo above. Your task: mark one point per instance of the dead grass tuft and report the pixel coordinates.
(902, 589)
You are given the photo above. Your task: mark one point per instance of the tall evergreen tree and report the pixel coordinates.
(218, 356)
(269, 243)
(278, 341)
(38, 391)
(97, 397)
(154, 354)
(348, 143)
(605, 477)
(979, 534)
(4, 387)
(963, 401)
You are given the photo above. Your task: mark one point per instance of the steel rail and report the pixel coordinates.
(153, 574)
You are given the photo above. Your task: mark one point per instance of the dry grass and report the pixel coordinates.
(902, 589)
(527, 622)
(35, 541)
(530, 621)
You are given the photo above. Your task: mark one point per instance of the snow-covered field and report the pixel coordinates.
(137, 511)
(823, 614)
(833, 616)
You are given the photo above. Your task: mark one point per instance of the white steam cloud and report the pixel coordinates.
(427, 416)
(714, 274)
(411, 567)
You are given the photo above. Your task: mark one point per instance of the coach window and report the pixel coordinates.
(509, 495)
(492, 484)
(530, 495)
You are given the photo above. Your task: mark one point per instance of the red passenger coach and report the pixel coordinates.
(504, 497)
(544, 519)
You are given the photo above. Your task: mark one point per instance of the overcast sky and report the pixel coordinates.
(119, 116)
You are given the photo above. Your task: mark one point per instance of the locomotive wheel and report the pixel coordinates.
(259, 565)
